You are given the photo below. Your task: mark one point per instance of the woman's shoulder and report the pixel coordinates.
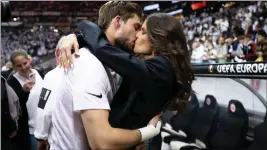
(12, 81)
(11, 78)
(160, 61)
(161, 69)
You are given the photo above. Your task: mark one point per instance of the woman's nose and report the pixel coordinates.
(24, 67)
(138, 34)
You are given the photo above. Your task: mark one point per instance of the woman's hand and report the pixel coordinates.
(63, 50)
(28, 85)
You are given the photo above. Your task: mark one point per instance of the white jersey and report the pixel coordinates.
(86, 86)
(47, 102)
(33, 101)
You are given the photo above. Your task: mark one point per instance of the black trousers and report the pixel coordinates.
(8, 144)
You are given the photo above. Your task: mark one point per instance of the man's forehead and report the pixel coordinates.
(135, 20)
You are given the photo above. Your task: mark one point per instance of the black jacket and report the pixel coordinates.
(23, 136)
(146, 87)
(6, 73)
(8, 124)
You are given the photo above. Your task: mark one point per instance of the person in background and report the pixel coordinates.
(7, 70)
(211, 53)
(249, 49)
(231, 47)
(261, 49)
(42, 133)
(198, 52)
(238, 54)
(9, 116)
(222, 50)
(261, 46)
(51, 83)
(27, 88)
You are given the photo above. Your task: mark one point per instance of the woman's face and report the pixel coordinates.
(143, 44)
(22, 65)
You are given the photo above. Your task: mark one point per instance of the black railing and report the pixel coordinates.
(235, 71)
(248, 70)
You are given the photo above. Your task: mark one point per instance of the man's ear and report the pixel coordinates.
(117, 21)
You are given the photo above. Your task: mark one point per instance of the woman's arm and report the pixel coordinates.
(144, 74)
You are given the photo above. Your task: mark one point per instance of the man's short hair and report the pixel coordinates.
(111, 9)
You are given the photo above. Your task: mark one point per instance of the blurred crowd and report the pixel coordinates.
(230, 35)
(234, 34)
(38, 44)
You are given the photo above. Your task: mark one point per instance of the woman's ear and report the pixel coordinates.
(30, 59)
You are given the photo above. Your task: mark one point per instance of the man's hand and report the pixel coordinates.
(155, 119)
(152, 129)
(63, 50)
(41, 145)
(141, 146)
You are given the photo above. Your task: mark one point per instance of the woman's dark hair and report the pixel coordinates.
(168, 39)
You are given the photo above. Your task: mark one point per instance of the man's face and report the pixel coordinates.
(125, 35)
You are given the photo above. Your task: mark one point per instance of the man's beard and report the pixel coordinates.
(121, 43)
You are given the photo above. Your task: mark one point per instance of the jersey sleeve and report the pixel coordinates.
(43, 121)
(91, 84)
(47, 103)
(90, 97)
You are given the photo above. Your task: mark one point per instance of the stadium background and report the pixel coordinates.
(37, 27)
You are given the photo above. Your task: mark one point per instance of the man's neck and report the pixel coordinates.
(109, 33)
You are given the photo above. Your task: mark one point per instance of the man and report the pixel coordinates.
(249, 49)
(46, 105)
(85, 92)
(47, 102)
(129, 108)
(261, 46)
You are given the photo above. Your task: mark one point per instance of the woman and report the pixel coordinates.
(211, 52)
(28, 91)
(261, 46)
(222, 50)
(163, 76)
